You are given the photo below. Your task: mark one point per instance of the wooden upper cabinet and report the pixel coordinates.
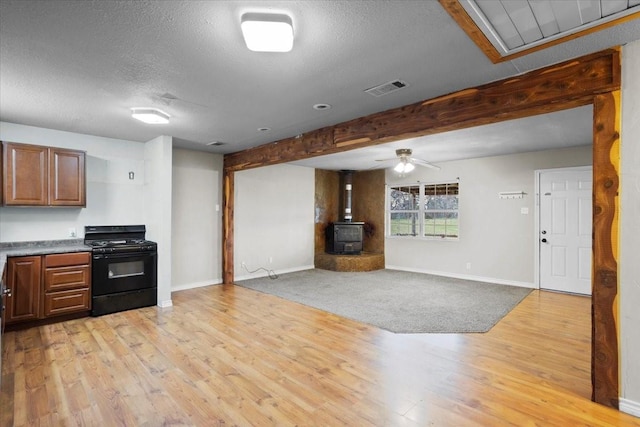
(66, 177)
(25, 174)
(42, 176)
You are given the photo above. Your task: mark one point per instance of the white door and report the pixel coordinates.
(565, 230)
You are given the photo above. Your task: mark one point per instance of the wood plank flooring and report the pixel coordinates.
(226, 355)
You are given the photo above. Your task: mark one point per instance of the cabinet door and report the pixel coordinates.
(23, 278)
(25, 177)
(66, 177)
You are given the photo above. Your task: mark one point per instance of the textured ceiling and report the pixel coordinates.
(80, 66)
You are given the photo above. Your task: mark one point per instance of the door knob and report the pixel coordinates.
(544, 231)
(544, 240)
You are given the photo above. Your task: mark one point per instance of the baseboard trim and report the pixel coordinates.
(196, 285)
(629, 407)
(464, 277)
(165, 303)
(263, 273)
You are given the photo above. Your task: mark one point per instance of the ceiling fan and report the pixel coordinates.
(406, 163)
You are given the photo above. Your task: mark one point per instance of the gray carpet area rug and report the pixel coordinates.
(398, 301)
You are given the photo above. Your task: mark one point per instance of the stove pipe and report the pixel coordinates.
(347, 180)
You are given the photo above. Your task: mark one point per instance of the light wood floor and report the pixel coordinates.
(225, 355)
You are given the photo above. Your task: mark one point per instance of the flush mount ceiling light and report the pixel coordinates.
(267, 32)
(151, 116)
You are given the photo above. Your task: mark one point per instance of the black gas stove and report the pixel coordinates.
(123, 269)
(118, 238)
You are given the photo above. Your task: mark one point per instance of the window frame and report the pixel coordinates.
(421, 210)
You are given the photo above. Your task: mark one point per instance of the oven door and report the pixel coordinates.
(122, 272)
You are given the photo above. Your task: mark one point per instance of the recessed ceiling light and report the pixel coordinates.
(151, 116)
(264, 129)
(267, 32)
(321, 107)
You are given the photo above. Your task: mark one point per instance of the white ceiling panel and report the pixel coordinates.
(516, 25)
(589, 10)
(501, 22)
(567, 14)
(543, 13)
(523, 19)
(609, 7)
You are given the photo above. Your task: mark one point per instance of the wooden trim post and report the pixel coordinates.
(227, 226)
(604, 312)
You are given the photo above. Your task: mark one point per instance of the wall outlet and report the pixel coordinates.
(72, 232)
(468, 266)
(270, 260)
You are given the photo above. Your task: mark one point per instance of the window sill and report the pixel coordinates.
(424, 238)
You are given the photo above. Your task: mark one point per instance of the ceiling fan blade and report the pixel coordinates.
(388, 160)
(425, 164)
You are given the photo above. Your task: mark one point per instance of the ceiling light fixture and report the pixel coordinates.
(404, 166)
(151, 116)
(267, 32)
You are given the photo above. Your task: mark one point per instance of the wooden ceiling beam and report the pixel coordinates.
(566, 85)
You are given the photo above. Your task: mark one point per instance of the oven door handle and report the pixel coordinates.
(124, 255)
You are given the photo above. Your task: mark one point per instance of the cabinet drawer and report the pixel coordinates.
(61, 278)
(62, 260)
(64, 302)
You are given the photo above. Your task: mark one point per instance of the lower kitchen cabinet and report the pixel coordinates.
(67, 279)
(45, 286)
(24, 280)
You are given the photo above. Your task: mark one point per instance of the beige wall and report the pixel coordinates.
(629, 267)
(196, 219)
(496, 239)
(273, 220)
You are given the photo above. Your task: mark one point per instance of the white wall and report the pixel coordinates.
(274, 219)
(196, 231)
(495, 237)
(112, 198)
(629, 267)
(157, 208)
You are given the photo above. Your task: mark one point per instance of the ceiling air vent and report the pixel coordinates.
(215, 143)
(386, 88)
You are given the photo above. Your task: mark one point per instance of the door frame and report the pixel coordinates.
(536, 217)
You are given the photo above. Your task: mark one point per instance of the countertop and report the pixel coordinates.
(41, 247)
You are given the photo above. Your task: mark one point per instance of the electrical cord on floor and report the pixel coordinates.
(272, 274)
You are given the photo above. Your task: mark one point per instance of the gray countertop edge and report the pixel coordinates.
(43, 247)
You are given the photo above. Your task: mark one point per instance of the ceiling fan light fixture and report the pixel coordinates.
(404, 167)
(267, 32)
(151, 116)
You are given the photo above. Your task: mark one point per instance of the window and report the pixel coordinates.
(424, 210)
